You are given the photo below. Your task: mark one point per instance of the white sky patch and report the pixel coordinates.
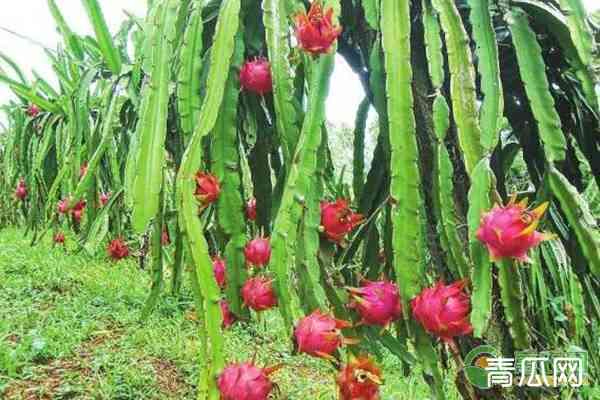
(32, 19)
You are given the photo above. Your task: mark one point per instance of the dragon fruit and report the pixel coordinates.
(117, 249)
(220, 271)
(104, 198)
(227, 315)
(165, 238)
(359, 379)
(444, 310)
(251, 209)
(33, 110)
(63, 206)
(77, 211)
(207, 188)
(320, 335)
(509, 232)
(255, 76)
(258, 293)
(378, 303)
(315, 31)
(21, 190)
(245, 381)
(258, 251)
(337, 220)
(59, 238)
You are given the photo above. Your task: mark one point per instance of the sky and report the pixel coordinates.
(32, 19)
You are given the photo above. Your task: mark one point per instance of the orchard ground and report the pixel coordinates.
(70, 329)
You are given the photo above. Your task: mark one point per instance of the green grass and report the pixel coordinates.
(70, 329)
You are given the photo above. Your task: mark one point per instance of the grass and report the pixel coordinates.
(71, 330)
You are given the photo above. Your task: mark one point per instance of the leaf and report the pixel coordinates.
(299, 181)
(579, 217)
(531, 66)
(189, 75)
(277, 32)
(105, 41)
(405, 181)
(202, 273)
(153, 120)
(107, 133)
(226, 167)
(358, 168)
(480, 201)
(489, 70)
(511, 293)
(70, 39)
(462, 83)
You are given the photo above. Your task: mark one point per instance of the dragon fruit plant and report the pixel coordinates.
(225, 117)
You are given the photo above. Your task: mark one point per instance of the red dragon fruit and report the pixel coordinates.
(359, 379)
(77, 211)
(63, 206)
(443, 310)
(59, 238)
(21, 190)
(337, 220)
(251, 209)
(320, 335)
(117, 249)
(226, 314)
(33, 110)
(258, 251)
(378, 303)
(220, 271)
(165, 238)
(258, 293)
(207, 188)
(315, 31)
(255, 76)
(510, 231)
(104, 198)
(245, 381)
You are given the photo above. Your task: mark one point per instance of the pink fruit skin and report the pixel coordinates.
(63, 206)
(255, 76)
(117, 249)
(77, 211)
(378, 303)
(251, 209)
(258, 293)
(59, 238)
(244, 381)
(33, 110)
(509, 231)
(165, 238)
(21, 190)
(104, 198)
(207, 188)
(444, 310)
(319, 334)
(337, 220)
(315, 31)
(220, 271)
(228, 317)
(258, 252)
